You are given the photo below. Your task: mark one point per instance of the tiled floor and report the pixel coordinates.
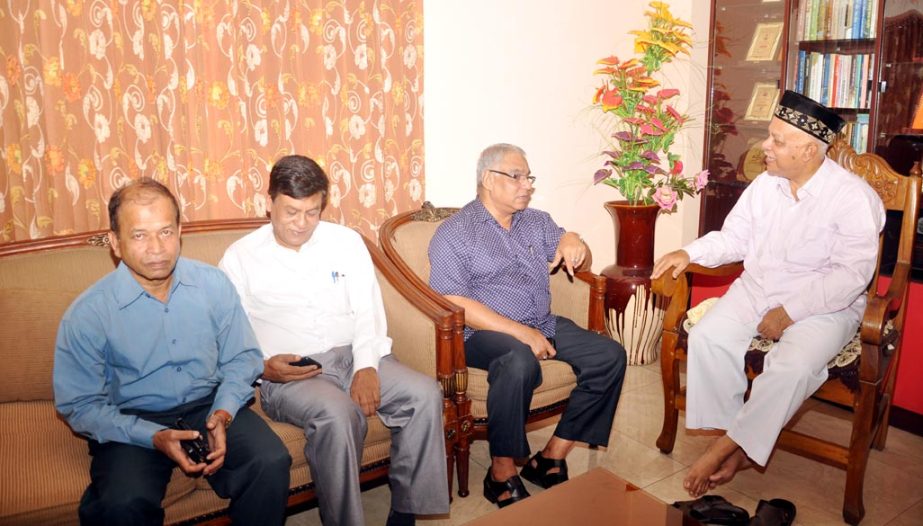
(893, 482)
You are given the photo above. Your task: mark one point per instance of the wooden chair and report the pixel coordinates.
(867, 384)
(405, 240)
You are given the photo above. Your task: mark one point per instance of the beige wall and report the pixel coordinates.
(520, 71)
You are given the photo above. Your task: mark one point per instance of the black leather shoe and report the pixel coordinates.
(538, 474)
(493, 490)
(397, 518)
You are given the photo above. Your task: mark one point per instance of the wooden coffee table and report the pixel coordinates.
(597, 497)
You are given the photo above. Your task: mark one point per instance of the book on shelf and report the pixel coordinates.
(836, 19)
(834, 79)
(857, 132)
(857, 18)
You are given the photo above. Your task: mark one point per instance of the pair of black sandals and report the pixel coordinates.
(538, 474)
(714, 509)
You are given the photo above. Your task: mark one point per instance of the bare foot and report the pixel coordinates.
(738, 461)
(698, 480)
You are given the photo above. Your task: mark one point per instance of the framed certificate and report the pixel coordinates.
(752, 163)
(765, 41)
(762, 101)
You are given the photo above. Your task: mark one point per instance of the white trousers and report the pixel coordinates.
(794, 368)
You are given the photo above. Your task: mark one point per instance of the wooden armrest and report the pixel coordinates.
(880, 308)
(666, 284)
(676, 290)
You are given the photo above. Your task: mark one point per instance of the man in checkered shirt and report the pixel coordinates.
(493, 258)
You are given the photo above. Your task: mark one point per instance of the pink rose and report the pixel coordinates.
(666, 198)
(701, 180)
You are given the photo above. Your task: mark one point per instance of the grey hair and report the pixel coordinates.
(492, 155)
(822, 146)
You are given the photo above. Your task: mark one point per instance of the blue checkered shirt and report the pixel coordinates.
(472, 256)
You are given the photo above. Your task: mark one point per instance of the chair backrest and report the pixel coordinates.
(412, 239)
(900, 193)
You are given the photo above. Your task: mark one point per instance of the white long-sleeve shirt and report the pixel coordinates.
(308, 301)
(813, 255)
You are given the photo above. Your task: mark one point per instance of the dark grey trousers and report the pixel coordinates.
(513, 373)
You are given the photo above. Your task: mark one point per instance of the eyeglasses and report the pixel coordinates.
(519, 178)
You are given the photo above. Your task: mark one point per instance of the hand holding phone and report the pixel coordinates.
(306, 361)
(196, 449)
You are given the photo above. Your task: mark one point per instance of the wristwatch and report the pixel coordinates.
(224, 415)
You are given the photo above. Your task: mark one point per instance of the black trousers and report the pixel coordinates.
(128, 483)
(513, 373)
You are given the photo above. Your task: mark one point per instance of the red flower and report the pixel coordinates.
(667, 93)
(611, 100)
(675, 114)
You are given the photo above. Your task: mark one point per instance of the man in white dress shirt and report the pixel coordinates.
(807, 232)
(309, 289)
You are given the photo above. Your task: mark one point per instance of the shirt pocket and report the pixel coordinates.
(811, 248)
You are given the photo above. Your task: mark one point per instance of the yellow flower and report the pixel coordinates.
(74, 7)
(86, 173)
(54, 159)
(52, 72)
(212, 169)
(148, 9)
(397, 93)
(314, 25)
(272, 95)
(13, 69)
(14, 158)
(218, 95)
(71, 87)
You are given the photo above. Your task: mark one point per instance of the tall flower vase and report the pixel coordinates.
(634, 314)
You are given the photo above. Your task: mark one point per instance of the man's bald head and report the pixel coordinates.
(141, 191)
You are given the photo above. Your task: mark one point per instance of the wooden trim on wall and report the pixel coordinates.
(83, 238)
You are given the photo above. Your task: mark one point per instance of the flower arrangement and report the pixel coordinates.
(640, 164)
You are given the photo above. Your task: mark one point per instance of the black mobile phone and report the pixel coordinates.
(306, 361)
(196, 449)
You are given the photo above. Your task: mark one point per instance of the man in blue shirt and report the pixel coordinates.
(162, 338)
(493, 259)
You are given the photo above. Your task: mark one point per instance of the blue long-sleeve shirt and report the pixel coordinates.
(120, 348)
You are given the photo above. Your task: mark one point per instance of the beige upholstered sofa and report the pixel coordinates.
(44, 467)
(405, 239)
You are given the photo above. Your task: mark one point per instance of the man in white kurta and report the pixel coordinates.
(807, 232)
(309, 289)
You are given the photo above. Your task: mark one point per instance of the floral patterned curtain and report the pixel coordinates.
(204, 95)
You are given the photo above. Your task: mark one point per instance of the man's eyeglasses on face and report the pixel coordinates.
(519, 178)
